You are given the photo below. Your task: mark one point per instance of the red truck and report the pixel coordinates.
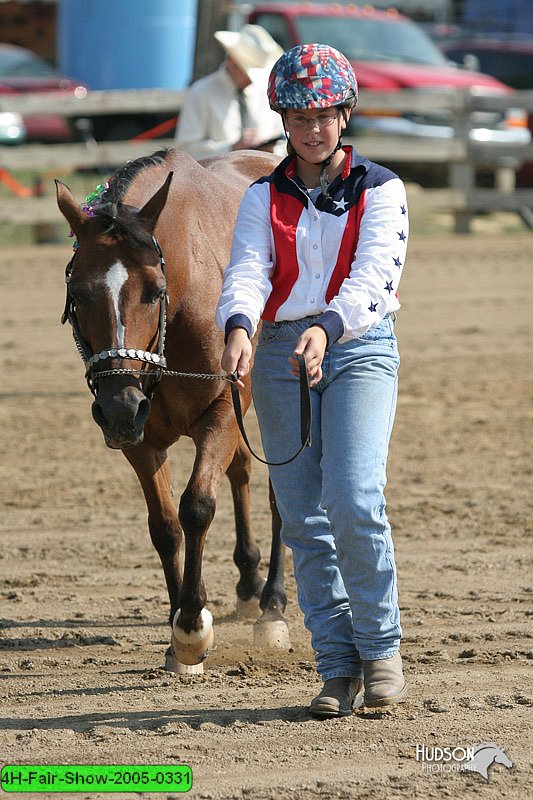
(390, 52)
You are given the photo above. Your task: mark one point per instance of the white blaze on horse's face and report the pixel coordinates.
(115, 278)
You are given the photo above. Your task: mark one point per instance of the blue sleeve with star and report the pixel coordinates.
(371, 289)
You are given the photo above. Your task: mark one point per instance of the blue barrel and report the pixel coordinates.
(127, 44)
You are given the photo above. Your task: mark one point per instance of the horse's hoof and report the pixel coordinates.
(177, 668)
(271, 634)
(248, 609)
(190, 649)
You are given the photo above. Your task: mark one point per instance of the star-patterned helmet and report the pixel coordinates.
(312, 76)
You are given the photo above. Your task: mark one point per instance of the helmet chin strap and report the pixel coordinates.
(324, 183)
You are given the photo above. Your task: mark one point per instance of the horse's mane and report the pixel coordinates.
(117, 219)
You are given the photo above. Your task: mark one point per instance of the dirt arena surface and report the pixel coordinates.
(83, 612)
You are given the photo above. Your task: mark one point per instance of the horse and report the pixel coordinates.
(484, 756)
(142, 288)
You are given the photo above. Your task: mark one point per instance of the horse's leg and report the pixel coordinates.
(246, 554)
(215, 439)
(153, 472)
(271, 630)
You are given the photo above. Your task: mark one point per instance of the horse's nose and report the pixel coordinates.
(121, 415)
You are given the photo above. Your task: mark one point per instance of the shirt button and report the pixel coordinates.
(317, 275)
(312, 300)
(315, 247)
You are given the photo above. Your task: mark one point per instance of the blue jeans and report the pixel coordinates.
(331, 497)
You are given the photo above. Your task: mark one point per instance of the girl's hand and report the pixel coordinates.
(237, 354)
(312, 344)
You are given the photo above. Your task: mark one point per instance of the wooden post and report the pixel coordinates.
(462, 172)
(505, 176)
(211, 16)
(43, 232)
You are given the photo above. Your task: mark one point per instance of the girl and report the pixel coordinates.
(318, 251)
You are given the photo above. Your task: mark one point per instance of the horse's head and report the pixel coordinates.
(501, 757)
(484, 756)
(116, 301)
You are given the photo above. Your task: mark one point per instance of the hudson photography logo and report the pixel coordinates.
(477, 758)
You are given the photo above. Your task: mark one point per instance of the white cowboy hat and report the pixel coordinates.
(251, 47)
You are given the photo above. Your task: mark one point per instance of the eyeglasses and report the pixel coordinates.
(322, 120)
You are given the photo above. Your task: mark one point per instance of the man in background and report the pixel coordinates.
(228, 109)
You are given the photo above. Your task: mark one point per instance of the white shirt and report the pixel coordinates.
(210, 120)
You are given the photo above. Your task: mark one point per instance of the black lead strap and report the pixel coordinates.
(305, 414)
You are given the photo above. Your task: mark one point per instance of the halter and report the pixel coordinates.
(156, 359)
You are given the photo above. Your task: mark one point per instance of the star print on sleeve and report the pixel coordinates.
(388, 286)
(402, 236)
(372, 307)
(403, 209)
(397, 261)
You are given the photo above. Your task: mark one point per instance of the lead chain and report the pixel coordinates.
(169, 372)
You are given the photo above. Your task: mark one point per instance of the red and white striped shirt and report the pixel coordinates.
(340, 259)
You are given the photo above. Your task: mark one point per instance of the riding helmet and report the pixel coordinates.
(312, 76)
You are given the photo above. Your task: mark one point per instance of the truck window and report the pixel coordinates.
(277, 27)
(371, 39)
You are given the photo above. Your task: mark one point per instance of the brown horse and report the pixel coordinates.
(142, 288)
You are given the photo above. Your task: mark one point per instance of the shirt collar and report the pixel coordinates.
(227, 79)
(288, 166)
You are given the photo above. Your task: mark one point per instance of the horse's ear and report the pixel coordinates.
(152, 209)
(69, 208)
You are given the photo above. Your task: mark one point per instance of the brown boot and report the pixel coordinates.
(384, 681)
(337, 698)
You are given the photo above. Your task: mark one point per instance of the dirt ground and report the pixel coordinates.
(83, 600)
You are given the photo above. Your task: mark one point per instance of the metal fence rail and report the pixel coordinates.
(459, 154)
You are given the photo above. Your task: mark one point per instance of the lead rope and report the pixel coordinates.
(305, 402)
(305, 414)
